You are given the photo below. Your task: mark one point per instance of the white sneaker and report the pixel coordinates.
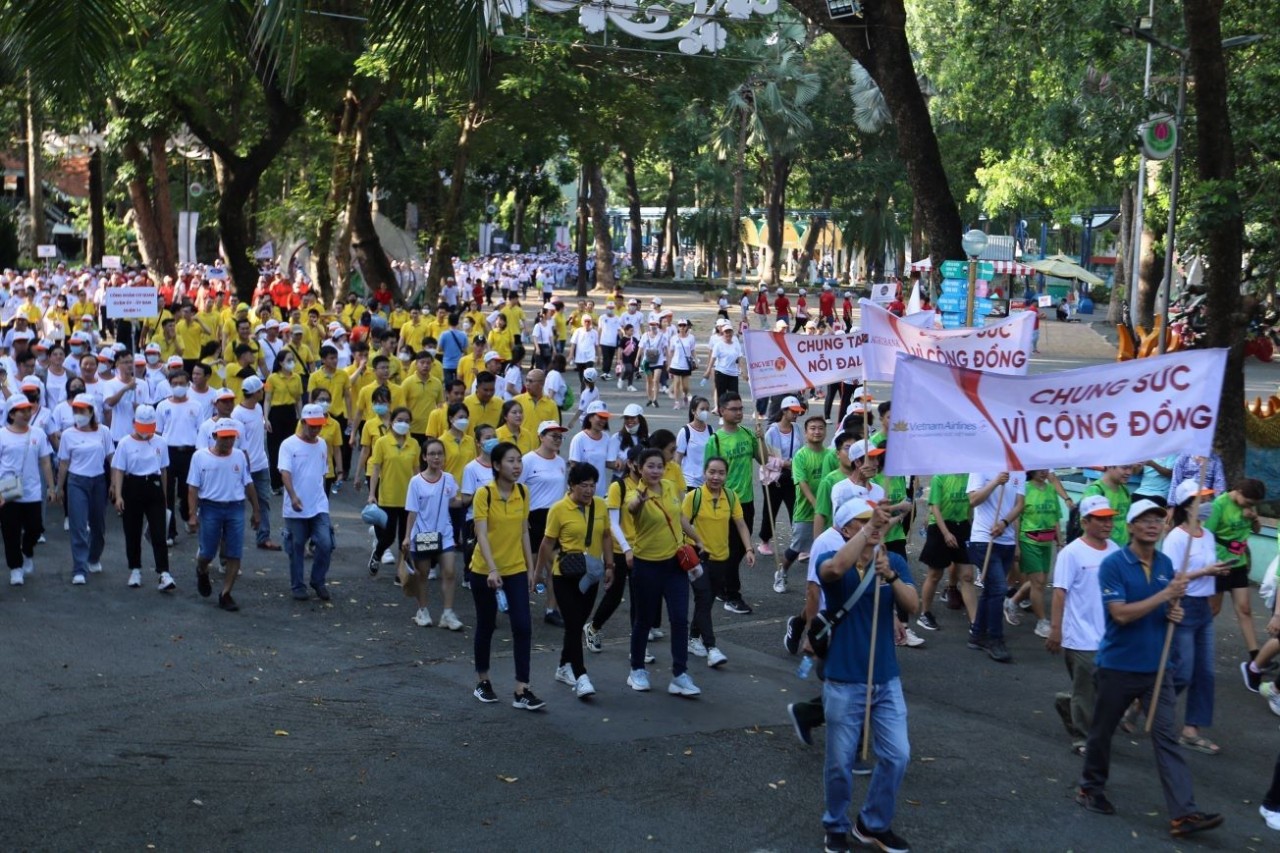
(1042, 628)
(66, 524)
(779, 581)
(715, 657)
(422, 617)
(16, 577)
(434, 574)
(135, 578)
(913, 640)
(95, 568)
(638, 680)
(170, 542)
(42, 540)
(79, 580)
(631, 388)
(682, 685)
(1268, 690)
(450, 621)
(166, 583)
(655, 634)
(697, 648)
(648, 656)
(1011, 613)
(28, 566)
(619, 384)
(388, 558)
(1272, 818)
(583, 687)
(594, 639)
(564, 675)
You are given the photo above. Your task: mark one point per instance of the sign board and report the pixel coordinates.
(1159, 136)
(129, 302)
(46, 250)
(111, 262)
(960, 269)
(884, 293)
(954, 287)
(1046, 301)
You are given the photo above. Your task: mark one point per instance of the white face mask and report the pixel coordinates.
(179, 392)
(153, 359)
(83, 420)
(400, 427)
(704, 415)
(324, 405)
(461, 424)
(633, 429)
(287, 364)
(405, 357)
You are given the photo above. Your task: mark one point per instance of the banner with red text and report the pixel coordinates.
(1003, 347)
(780, 363)
(952, 420)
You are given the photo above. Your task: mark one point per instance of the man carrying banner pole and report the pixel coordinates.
(997, 502)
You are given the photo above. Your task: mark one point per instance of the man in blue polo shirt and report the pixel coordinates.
(1140, 594)
(844, 695)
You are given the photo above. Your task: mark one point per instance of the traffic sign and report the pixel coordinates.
(954, 287)
(951, 303)
(960, 269)
(953, 321)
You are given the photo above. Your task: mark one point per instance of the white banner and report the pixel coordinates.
(1003, 347)
(951, 420)
(46, 250)
(111, 262)
(779, 362)
(130, 302)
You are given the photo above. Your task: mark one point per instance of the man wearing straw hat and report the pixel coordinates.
(1140, 593)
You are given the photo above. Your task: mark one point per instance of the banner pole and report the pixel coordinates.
(871, 658)
(991, 541)
(764, 487)
(1168, 633)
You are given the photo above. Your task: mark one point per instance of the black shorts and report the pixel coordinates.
(1235, 579)
(936, 554)
(675, 371)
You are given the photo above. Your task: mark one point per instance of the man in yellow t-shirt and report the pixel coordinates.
(514, 314)
(422, 394)
(412, 332)
(381, 379)
(192, 334)
(483, 407)
(438, 422)
(538, 407)
(167, 339)
(313, 334)
(472, 363)
(242, 336)
(399, 316)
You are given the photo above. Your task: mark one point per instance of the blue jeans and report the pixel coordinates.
(296, 533)
(221, 523)
(262, 485)
(990, 621)
(651, 582)
(1192, 659)
(844, 705)
(86, 504)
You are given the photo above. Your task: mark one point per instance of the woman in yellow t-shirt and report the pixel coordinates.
(571, 521)
(395, 459)
(283, 404)
(500, 338)
(660, 529)
(500, 576)
(373, 428)
(512, 429)
(665, 440)
(711, 509)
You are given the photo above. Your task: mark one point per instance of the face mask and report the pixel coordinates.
(405, 357)
(489, 444)
(153, 359)
(381, 408)
(461, 424)
(288, 365)
(466, 327)
(179, 392)
(633, 429)
(324, 405)
(76, 349)
(704, 415)
(83, 420)
(400, 427)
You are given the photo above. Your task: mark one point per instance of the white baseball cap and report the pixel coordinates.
(491, 356)
(633, 410)
(1096, 505)
(314, 414)
(793, 403)
(596, 408)
(552, 426)
(590, 374)
(226, 426)
(252, 385)
(860, 449)
(1141, 508)
(1187, 490)
(851, 509)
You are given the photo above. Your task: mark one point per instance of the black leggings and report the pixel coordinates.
(1272, 800)
(703, 600)
(284, 421)
(575, 607)
(780, 493)
(21, 527)
(144, 500)
(397, 519)
(846, 391)
(176, 491)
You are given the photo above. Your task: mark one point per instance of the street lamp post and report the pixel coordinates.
(974, 242)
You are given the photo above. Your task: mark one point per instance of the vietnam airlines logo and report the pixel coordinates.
(899, 426)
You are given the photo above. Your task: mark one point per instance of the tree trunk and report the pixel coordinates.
(636, 225)
(1150, 271)
(358, 237)
(159, 253)
(366, 245)
(443, 247)
(162, 198)
(97, 210)
(1119, 298)
(339, 185)
(36, 234)
(775, 215)
(736, 253)
(1224, 223)
(671, 236)
(879, 42)
(598, 201)
(517, 220)
(580, 238)
(817, 226)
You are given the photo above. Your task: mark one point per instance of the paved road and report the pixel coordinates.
(136, 720)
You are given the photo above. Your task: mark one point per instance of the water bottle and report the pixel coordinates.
(502, 600)
(540, 588)
(805, 667)
(703, 382)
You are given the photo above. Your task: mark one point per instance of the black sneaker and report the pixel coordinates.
(1062, 704)
(1193, 823)
(803, 730)
(226, 602)
(737, 605)
(997, 651)
(1094, 801)
(373, 565)
(322, 592)
(795, 631)
(885, 839)
(203, 585)
(1252, 680)
(978, 644)
(927, 622)
(484, 692)
(526, 701)
(553, 617)
(836, 842)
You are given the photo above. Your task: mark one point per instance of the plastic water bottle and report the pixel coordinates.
(805, 667)
(703, 382)
(540, 588)
(502, 600)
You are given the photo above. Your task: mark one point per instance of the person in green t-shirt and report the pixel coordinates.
(740, 448)
(810, 464)
(1232, 520)
(1111, 485)
(822, 510)
(1038, 533)
(945, 545)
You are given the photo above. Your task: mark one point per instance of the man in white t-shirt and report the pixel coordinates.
(1078, 622)
(610, 329)
(253, 441)
(997, 501)
(304, 462)
(218, 485)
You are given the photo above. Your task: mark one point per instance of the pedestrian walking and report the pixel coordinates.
(304, 464)
(430, 541)
(24, 466)
(84, 453)
(139, 471)
(219, 484)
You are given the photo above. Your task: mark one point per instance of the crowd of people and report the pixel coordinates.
(485, 467)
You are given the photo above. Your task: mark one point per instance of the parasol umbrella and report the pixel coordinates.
(1060, 266)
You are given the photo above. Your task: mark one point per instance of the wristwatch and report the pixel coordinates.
(896, 577)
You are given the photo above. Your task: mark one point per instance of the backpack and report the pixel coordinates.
(568, 397)
(697, 503)
(490, 488)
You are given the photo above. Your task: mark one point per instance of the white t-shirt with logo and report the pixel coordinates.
(1076, 572)
(828, 542)
(141, 458)
(86, 451)
(219, 478)
(430, 500)
(546, 479)
(179, 423)
(20, 454)
(253, 435)
(725, 355)
(122, 409)
(986, 513)
(307, 464)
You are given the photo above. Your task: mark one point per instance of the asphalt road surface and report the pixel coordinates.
(137, 720)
